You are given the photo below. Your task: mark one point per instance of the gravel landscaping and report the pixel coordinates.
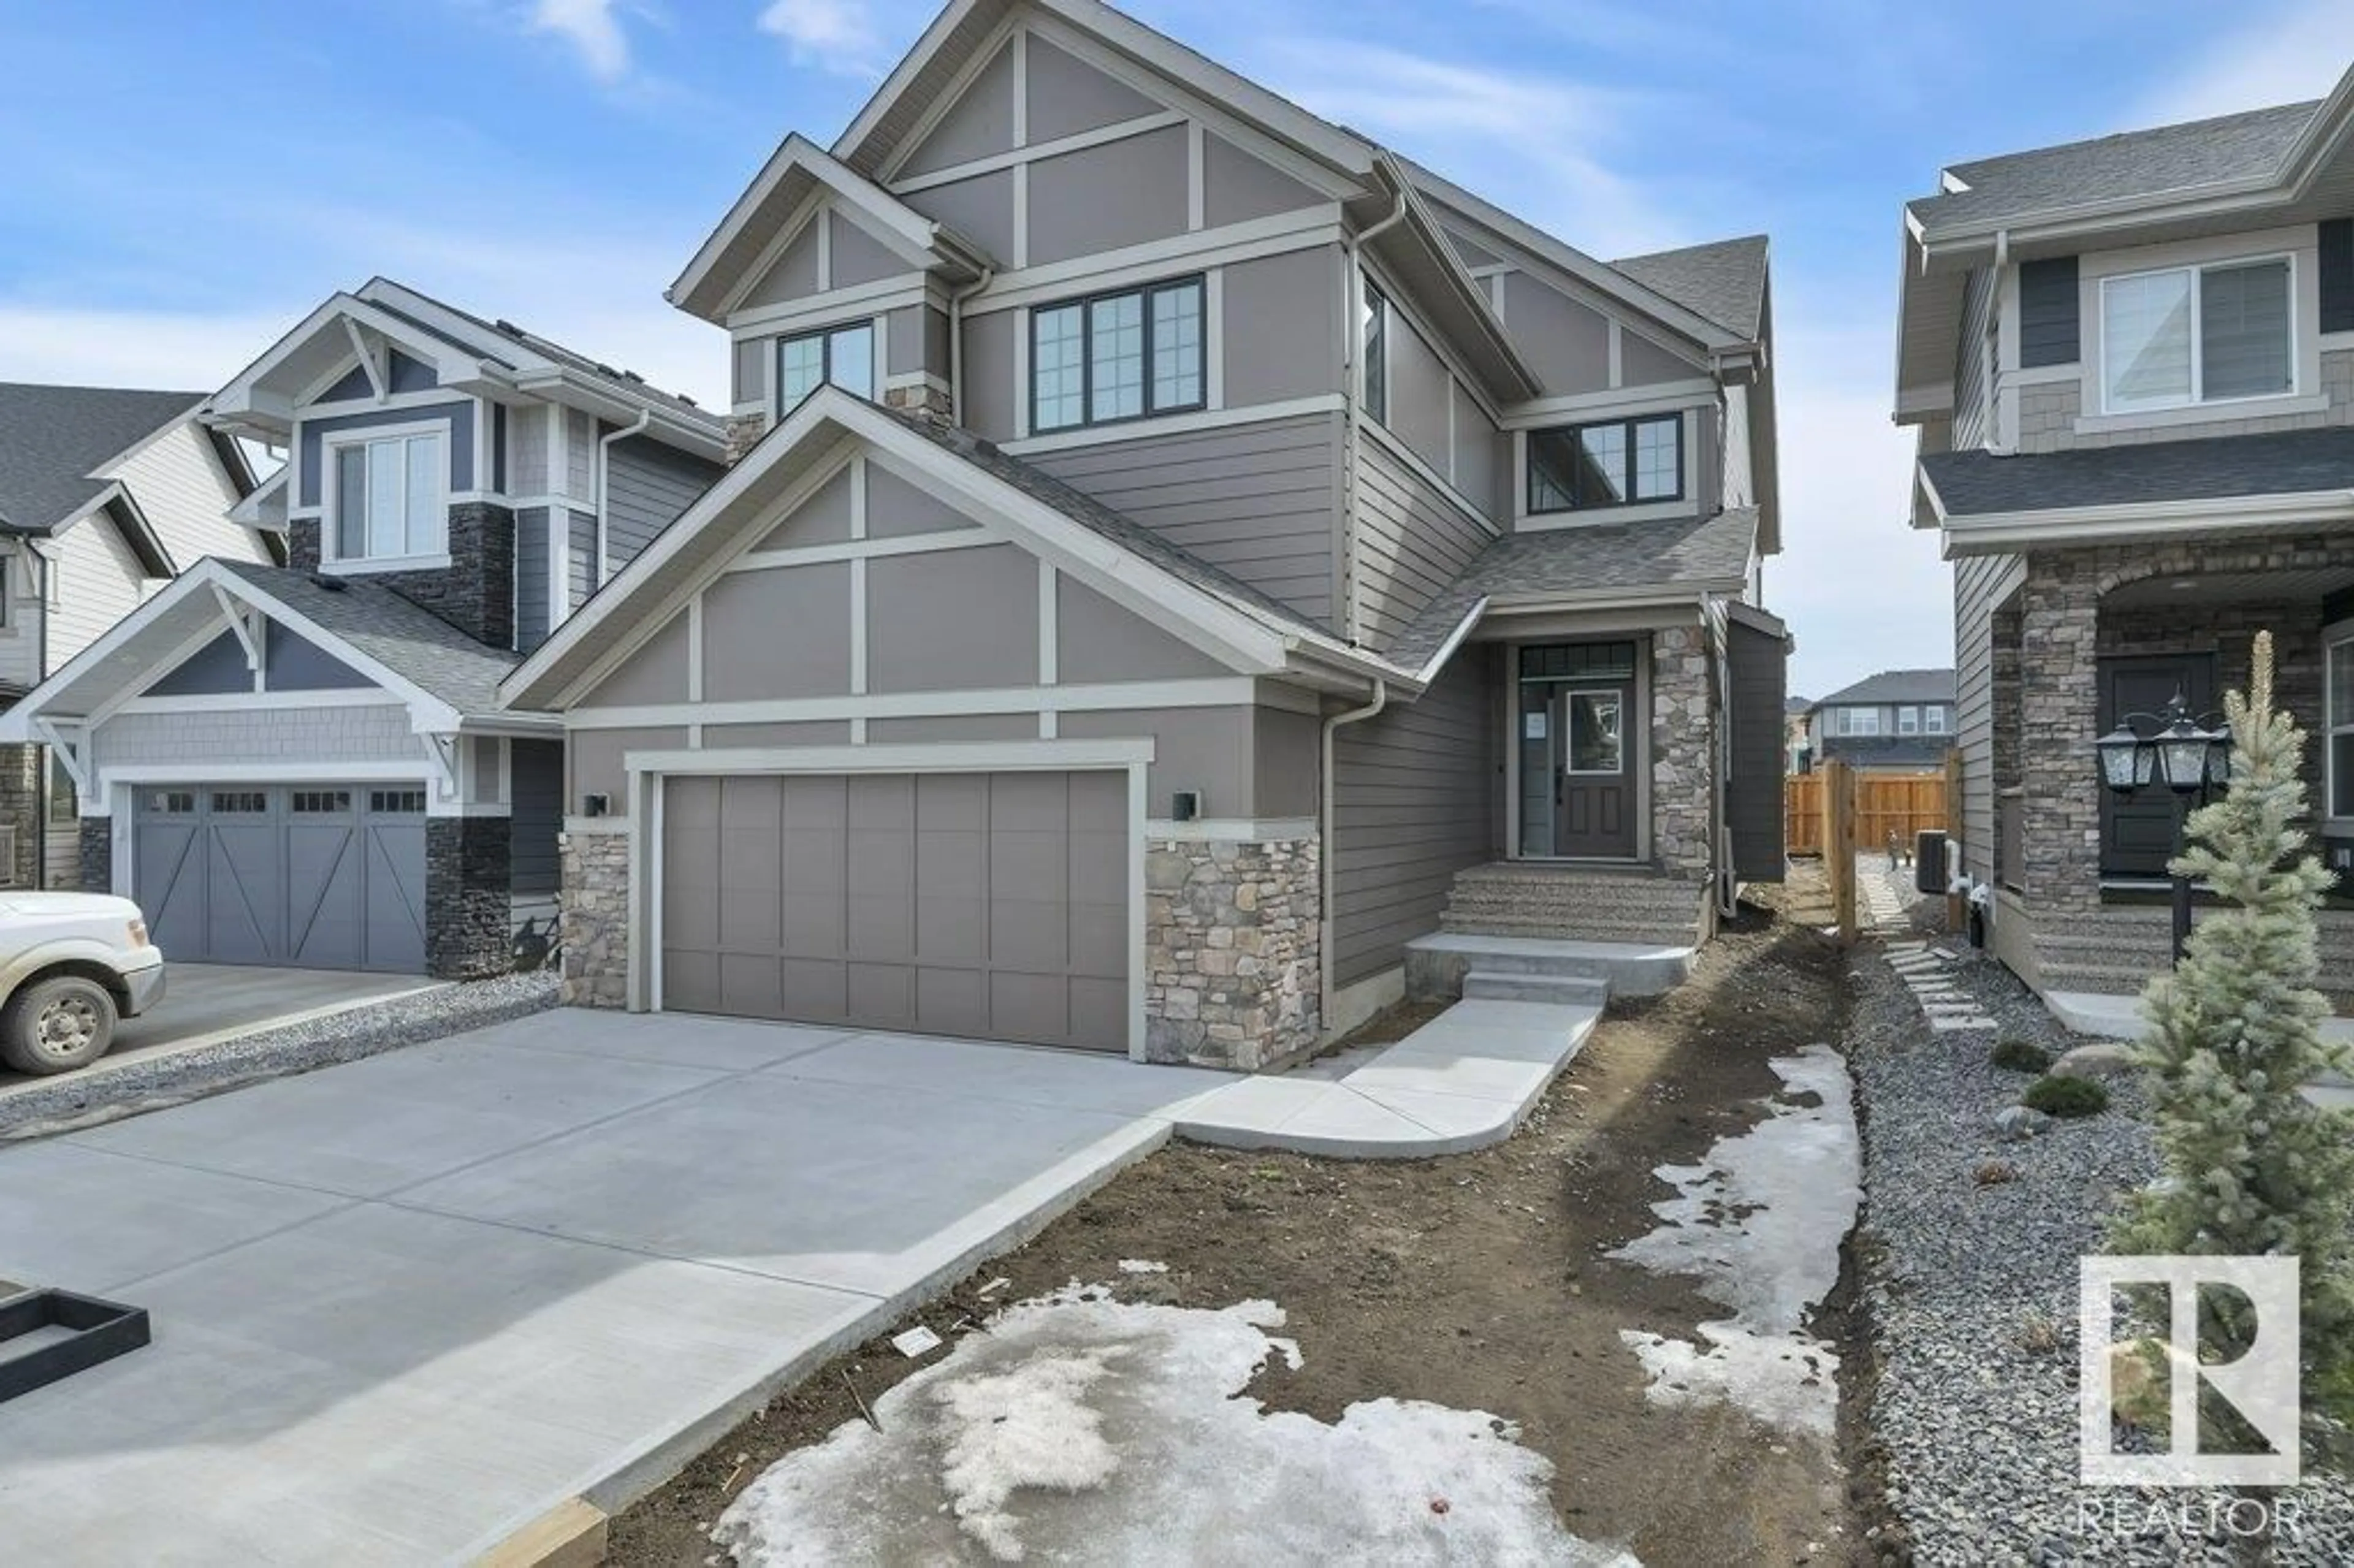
(1970, 1243)
(78, 1100)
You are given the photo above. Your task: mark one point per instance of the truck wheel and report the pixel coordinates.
(55, 1025)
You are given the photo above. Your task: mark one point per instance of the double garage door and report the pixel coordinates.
(987, 905)
(311, 876)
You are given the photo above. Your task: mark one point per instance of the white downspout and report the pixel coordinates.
(604, 448)
(1352, 339)
(957, 297)
(1326, 858)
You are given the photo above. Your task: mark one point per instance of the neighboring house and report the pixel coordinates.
(2131, 365)
(1899, 720)
(308, 764)
(106, 494)
(1178, 554)
(1798, 755)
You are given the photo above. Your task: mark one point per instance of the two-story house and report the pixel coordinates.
(1179, 556)
(2131, 365)
(106, 494)
(307, 763)
(1895, 720)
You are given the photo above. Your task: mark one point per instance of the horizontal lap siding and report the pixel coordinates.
(1256, 500)
(1411, 543)
(1414, 803)
(647, 485)
(1980, 585)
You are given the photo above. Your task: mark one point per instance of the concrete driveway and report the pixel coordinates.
(404, 1307)
(206, 1003)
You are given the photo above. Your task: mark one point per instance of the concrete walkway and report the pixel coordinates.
(404, 1307)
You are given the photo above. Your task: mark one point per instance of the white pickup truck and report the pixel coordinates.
(71, 965)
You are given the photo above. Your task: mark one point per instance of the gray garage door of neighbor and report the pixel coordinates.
(327, 876)
(988, 904)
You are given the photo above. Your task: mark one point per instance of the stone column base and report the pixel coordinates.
(98, 854)
(593, 918)
(469, 901)
(1232, 951)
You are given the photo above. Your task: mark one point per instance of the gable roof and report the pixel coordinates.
(54, 439)
(406, 638)
(1602, 563)
(1723, 281)
(1893, 686)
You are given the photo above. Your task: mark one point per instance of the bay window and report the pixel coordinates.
(843, 356)
(2338, 743)
(390, 497)
(2189, 336)
(1621, 462)
(1125, 355)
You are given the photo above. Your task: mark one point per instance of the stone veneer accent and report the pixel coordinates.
(475, 593)
(468, 901)
(1233, 975)
(20, 807)
(98, 854)
(593, 916)
(1683, 768)
(744, 432)
(2061, 631)
(920, 397)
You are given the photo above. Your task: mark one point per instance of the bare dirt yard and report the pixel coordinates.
(1476, 1282)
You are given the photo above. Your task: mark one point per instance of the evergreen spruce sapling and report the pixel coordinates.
(2253, 1167)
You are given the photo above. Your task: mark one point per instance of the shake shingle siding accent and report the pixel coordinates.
(1412, 544)
(2047, 311)
(647, 485)
(1416, 801)
(1256, 500)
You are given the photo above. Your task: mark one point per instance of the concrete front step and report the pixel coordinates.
(1542, 928)
(1436, 965)
(1568, 990)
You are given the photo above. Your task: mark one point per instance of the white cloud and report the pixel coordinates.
(593, 30)
(837, 35)
(2295, 51)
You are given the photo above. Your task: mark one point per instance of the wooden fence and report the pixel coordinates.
(1879, 804)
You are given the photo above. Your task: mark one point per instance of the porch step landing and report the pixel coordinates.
(1571, 990)
(1450, 964)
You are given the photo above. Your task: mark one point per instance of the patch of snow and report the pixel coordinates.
(1758, 1223)
(1084, 1429)
(1141, 1266)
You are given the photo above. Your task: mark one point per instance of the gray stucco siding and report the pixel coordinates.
(1411, 542)
(1414, 803)
(857, 257)
(290, 663)
(896, 509)
(822, 519)
(1105, 197)
(1286, 751)
(1097, 641)
(1483, 458)
(647, 485)
(752, 357)
(594, 760)
(1643, 363)
(1237, 187)
(456, 417)
(1419, 391)
(655, 674)
(980, 209)
(953, 619)
(978, 124)
(1259, 500)
(1208, 749)
(1282, 326)
(777, 633)
(1566, 342)
(935, 728)
(789, 732)
(918, 342)
(794, 275)
(992, 392)
(1066, 95)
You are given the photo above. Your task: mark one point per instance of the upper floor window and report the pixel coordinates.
(1117, 356)
(1934, 719)
(2198, 335)
(1620, 463)
(391, 497)
(1376, 359)
(1908, 720)
(2339, 705)
(843, 356)
(1859, 721)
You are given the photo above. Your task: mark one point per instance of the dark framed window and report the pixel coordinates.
(843, 356)
(1618, 462)
(1112, 357)
(239, 802)
(322, 802)
(1375, 333)
(408, 802)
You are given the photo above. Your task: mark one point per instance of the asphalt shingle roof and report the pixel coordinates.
(1894, 686)
(2288, 462)
(1095, 515)
(1582, 559)
(51, 437)
(1723, 281)
(411, 642)
(2134, 164)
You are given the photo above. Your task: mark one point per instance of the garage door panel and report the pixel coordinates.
(327, 923)
(169, 887)
(691, 979)
(691, 802)
(993, 904)
(244, 894)
(883, 994)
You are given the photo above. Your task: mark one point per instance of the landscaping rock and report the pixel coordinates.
(2102, 1059)
(2017, 1122)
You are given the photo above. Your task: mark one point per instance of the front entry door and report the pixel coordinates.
(1594, 789)
(2137, 831)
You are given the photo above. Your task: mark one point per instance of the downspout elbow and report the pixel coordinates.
(603, 487)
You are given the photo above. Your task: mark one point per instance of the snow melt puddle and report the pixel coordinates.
(1758, 1222)
(1084, 1429)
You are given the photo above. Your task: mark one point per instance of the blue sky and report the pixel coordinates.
(185, 181)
